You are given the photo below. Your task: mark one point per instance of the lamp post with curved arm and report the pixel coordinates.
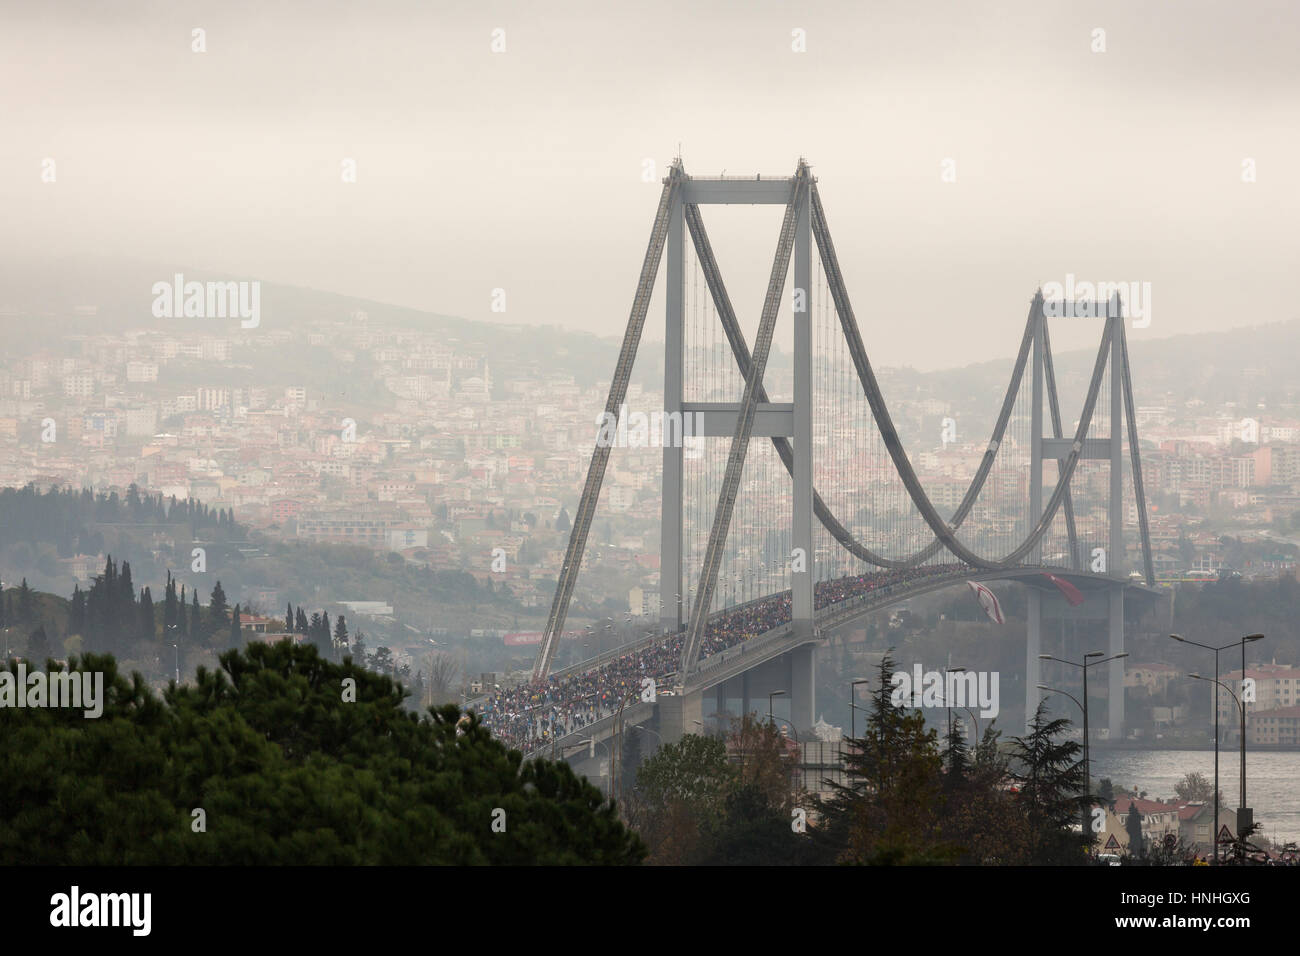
(1087, 767)
(618, 735)
(1241, 705)
(1243, 642)
(1083, 666)
(853, 706)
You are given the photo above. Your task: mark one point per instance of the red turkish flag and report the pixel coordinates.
(1072, 594)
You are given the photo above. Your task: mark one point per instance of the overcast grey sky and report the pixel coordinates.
(522, 169)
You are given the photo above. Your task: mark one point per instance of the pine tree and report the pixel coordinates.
(1051, 791)
(236, 633)
(182, 615)
(956, 756)
(300, 624)
(889, 811)
(288, 619)
(196, 622)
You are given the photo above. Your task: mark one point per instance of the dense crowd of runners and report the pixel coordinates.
(534, 715)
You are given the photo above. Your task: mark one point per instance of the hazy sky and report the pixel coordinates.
(523, 169)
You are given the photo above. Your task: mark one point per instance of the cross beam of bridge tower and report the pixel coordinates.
(795, 237)
(1110, 448)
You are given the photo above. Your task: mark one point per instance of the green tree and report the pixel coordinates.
(38, 646)
(26, 605)
(889, 812)
(218, 610)
(1133, 827)
(340, 637)
(287, 773)
(680, 792)
(1195, 787)
(1105, 794)
(1050, 779)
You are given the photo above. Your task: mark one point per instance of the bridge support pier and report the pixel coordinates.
(676, 715)
(1033, 647)
(803, 687)
(1115, 669)
(718, 703)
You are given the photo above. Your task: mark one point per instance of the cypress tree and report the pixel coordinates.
(26, 606)
(147, 622)
(218, 609)
(1133, 827)
(169, 605)
(340, 636)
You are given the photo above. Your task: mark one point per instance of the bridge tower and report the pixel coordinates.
(1112, 560)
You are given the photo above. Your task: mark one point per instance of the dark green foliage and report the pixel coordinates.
(218, 611)
(1050, 778)
(889, 812)
(287, 773)
(1133, 827)
(704, 802)
(38, 646)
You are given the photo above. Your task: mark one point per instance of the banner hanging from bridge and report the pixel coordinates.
(989, 601)
(1072, 594)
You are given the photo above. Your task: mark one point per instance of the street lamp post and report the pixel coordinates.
(946, 699)
(1087, 752)
(1242, 642)
(853, 706)
(775, 718)
(1087, 770)
(1243, 812)
(976, 723)
(177, 653)
(775, 693)
(618, 736)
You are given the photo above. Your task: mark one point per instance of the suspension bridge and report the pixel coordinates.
(816, 514)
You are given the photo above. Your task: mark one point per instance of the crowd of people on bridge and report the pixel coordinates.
(534, 716)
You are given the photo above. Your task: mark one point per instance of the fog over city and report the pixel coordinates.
(523, 169)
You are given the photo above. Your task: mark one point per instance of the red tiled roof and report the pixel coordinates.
(1123, 804)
